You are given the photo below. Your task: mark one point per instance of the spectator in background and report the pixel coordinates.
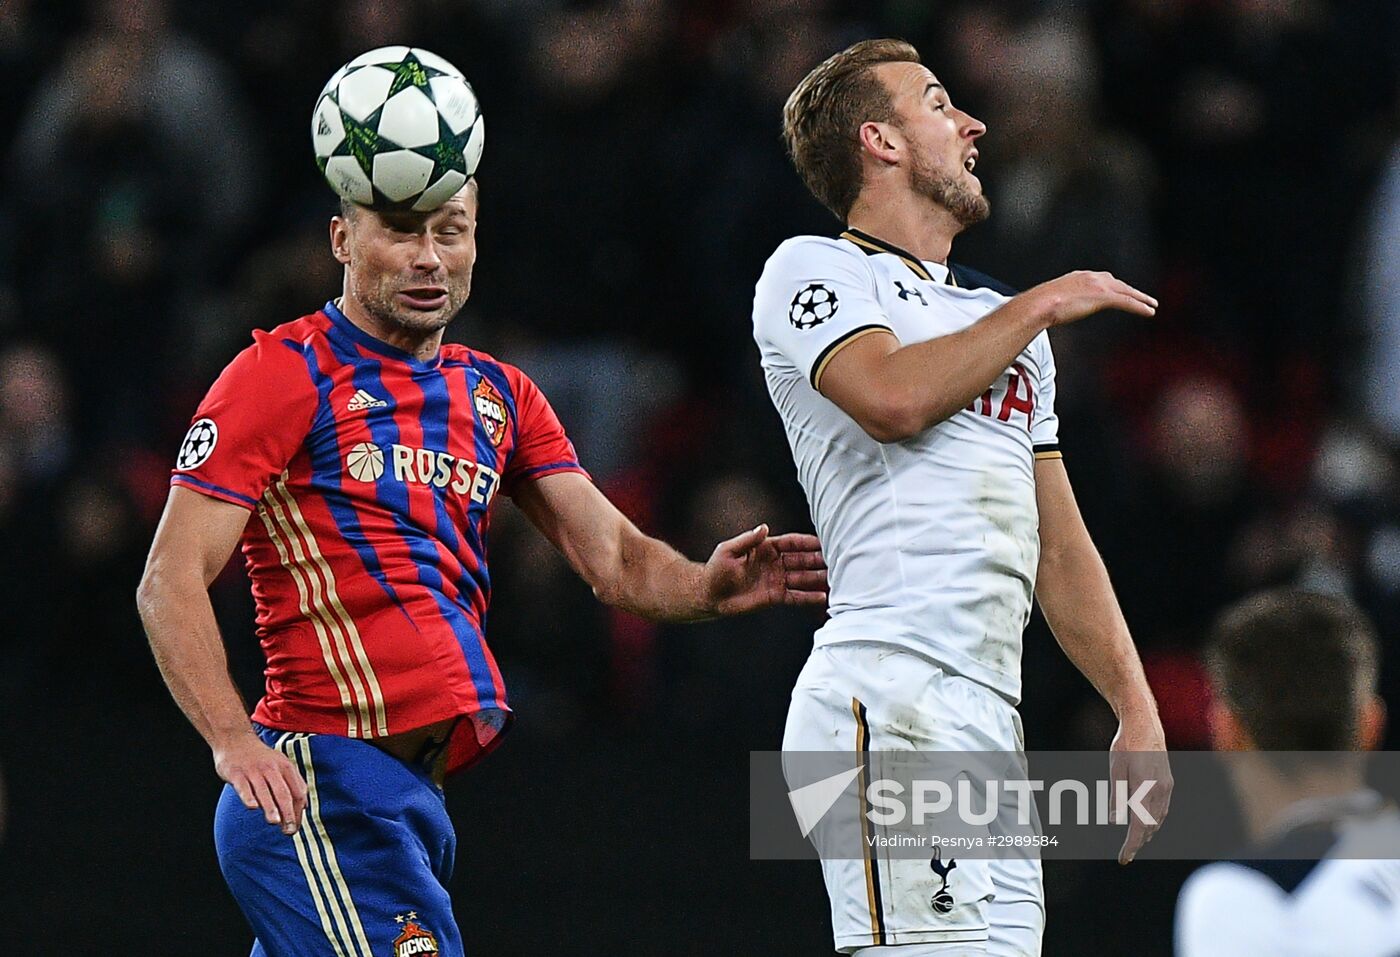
(34, 414)
(1190, 508)
(1070, 192)
(1381, 304)
(149, 123)
(729, 148)
(137, 159)
(596, 79)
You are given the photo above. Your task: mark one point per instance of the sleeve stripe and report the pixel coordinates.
(1048, 450)
(827, 354)
(214, 491)
(551, 467)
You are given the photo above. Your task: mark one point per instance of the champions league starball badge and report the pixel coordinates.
(812, 306)
(198, 445)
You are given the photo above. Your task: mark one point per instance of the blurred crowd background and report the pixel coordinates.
(1238, 158)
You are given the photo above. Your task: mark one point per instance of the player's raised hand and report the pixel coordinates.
(1139, 755)
(1076, 295)
(755, 570)
(264, 778)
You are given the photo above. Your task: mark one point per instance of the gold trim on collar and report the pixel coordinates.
(872, 244)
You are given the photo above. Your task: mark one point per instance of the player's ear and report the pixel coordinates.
(340, 239)
(1226, 732)
(1372, 724)
(881, 141)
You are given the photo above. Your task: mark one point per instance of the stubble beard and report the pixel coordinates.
(968, 208)
(379, 299)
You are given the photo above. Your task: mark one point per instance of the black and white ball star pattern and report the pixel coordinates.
(198, 445)
(813, 305)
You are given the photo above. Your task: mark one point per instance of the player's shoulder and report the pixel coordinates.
(455, 353)
(801, 254)
(466, 355)
(1227, 893)
(281, 349)
(1228, 908)
(300, 331)
(1220, 882)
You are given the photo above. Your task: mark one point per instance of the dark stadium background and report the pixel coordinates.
(1238, 158)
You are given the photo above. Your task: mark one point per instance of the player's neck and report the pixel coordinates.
(1268, 798)
(916, 225)
(423, 345)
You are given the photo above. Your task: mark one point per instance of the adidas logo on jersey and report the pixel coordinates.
(363, 400)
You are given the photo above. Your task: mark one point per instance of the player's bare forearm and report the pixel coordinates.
(653, 580)
(1078, 601)
(967, 363)
(1077, 598)
(647, 577)
(894, 392)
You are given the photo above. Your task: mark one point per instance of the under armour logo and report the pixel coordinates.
(905, 292)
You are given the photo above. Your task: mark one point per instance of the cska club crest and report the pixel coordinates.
(415, 940)
(490, 410)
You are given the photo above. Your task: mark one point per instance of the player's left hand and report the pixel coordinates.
(1138, 755)
(755, 570)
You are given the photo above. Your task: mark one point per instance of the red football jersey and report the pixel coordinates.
(370, 476)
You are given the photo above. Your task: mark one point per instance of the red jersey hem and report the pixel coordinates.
(464, 747)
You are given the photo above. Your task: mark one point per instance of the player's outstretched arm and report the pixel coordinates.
(894, 392)
(1074, 592)
(647, 577)
(193, 542)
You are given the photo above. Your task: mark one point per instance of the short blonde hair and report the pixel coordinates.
(823, 116)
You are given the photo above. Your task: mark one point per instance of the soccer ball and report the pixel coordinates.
(398, 128)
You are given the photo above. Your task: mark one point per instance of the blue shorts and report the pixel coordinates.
(364, 876)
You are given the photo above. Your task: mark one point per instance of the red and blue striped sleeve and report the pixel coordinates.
(250, 424)
(541, 445)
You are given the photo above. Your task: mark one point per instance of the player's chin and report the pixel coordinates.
(973, 210)
(427, 316)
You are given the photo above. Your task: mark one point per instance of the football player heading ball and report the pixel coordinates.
(356, 458)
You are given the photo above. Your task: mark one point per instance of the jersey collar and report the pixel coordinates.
(1312, 812)
(342, 325)
(871, 246)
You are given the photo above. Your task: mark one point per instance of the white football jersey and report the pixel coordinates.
(932, 543)
(1309, 893)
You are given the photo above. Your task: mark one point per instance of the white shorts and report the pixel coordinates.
(870, 696)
